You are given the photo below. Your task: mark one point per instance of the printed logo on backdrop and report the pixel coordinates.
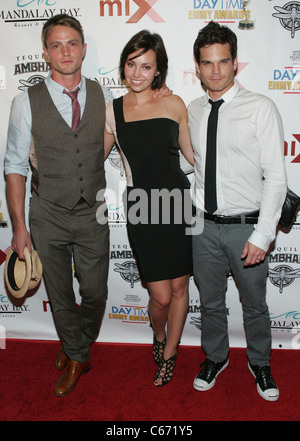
(132, 310)
(194, 312)
(289, 16)
(114, 199)
(286, 79)
(7, 309)
(284, 268)
(135, 9)
(33, 66)
(130, 314)
(286, 322)
(127, 269)
(115, 214)
(115, 160)
(227, 11)
(292, 154)
(30, 13)
(110, 78)
(290, 149)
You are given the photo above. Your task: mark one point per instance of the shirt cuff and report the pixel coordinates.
(260, 240)
(17, 170)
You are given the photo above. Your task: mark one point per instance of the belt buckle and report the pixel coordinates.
(220, 219)
(227, 220)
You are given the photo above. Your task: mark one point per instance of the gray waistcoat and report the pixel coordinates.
(70, 165)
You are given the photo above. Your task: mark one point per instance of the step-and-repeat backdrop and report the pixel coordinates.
(269, 63)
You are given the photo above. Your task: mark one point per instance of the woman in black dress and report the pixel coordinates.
(149, 132)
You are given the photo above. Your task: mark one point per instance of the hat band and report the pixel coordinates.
(11, 272)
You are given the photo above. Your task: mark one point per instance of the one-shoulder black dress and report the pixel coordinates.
(158, 202)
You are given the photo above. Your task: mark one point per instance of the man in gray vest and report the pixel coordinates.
(68, 171)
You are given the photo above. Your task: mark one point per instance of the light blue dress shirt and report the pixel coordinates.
(19, 129)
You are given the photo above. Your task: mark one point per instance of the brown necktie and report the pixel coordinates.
(211, 156)
(75, 108)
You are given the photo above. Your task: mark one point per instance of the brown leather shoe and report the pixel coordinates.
(68, 380)
(62, 360)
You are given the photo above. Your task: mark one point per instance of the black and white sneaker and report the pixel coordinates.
(266, 386)
(206, 378)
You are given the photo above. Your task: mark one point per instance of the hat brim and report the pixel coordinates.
(19, 275)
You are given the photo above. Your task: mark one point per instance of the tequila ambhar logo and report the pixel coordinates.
(33, 65)
(282, 276)
(289, 16)
(25, 84)
(128, 271)
(116, 161)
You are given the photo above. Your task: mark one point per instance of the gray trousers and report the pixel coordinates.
(215, 252)
(62, 238)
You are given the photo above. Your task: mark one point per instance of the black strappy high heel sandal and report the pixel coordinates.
(165, 371)
(158, 349)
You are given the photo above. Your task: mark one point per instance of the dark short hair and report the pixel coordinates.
(215, 33)
(145, 41)
(61, 20)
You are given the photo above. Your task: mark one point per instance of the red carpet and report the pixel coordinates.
(119, 387)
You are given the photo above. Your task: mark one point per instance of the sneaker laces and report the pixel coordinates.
(209, 370)
(265, 379)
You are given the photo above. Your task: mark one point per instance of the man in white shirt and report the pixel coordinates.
(240, 225)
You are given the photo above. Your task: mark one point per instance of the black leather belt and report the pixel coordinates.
(248, 218)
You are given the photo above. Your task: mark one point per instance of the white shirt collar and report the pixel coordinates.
(228, 96)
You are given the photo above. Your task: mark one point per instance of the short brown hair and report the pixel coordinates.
(215, 33)
(61, 20)
(145, 41)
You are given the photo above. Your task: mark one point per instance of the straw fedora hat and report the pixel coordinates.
(22, 275)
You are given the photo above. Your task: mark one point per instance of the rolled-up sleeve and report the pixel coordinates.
(19, 136)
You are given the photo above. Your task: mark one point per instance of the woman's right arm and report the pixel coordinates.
(109, 130)
(109, 141)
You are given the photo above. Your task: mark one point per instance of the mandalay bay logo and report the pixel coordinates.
(29, 13)
(287, 322)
